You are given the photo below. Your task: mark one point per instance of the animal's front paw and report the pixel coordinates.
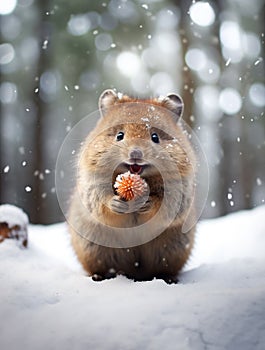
(141, 204)
(118, 205)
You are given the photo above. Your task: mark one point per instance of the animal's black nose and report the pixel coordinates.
(136, 153)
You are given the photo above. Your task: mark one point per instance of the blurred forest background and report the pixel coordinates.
(57, 56)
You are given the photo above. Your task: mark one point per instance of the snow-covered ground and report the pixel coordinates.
(47, 301)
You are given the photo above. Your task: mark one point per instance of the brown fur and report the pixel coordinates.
(102, 159)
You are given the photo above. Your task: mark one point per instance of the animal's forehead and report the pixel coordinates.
(141, 113)
(134, 128)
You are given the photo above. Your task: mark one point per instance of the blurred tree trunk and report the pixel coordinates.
(206, 129)
(238, 167)
(44, 33)
(188, 78)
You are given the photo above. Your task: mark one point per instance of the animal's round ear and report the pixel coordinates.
(107, 99)
(174, 103)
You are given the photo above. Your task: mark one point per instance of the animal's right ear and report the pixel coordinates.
(106, 100)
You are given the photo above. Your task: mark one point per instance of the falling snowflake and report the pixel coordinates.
(258, 181)
(6, 169)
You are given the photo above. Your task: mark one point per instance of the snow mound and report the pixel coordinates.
(238, 235)
(13, 216)
(47, 301)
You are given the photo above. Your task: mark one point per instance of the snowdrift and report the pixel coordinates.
(48, 302)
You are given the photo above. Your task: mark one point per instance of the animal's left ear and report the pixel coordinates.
(174, 103)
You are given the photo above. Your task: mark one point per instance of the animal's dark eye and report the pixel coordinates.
(155, 137)
(120, 136)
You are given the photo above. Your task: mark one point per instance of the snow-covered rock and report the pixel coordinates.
(48, 302)
(13, 224)
(13, 215)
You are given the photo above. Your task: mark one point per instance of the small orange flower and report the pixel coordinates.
(130, 186)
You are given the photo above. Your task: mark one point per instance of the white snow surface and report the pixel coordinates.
(13, 216)
(48, 302)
